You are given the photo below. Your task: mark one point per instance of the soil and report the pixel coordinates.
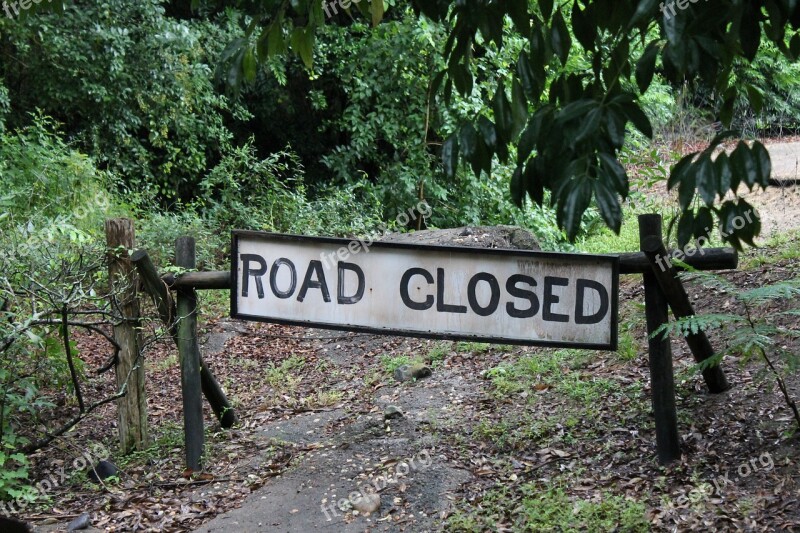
(313, 430)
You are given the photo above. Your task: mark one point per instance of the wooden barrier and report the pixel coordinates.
(663, 290)
(165, 305)
(189, 350)
(629, 263)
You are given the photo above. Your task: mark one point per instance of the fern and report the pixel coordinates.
(750, 334)
(696, 323)
(767, 293)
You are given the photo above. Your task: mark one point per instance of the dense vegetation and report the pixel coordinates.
(168, 115)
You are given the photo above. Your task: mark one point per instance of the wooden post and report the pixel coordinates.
(190, 359)
(130, 375)
(662, 381)
(167, 312)
(667, 278)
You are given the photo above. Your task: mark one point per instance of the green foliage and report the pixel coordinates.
(751, 334)
(551, 509)
(774, 78)
(40, 176)
(561, 122)
(135, 90)
(392, 363)
(14, 471)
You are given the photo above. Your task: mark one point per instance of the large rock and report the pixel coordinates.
(473, 236)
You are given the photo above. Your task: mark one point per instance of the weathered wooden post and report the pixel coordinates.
(190, 358)
(662, 380)
(130, 375)
(165, 305)
(667, 277)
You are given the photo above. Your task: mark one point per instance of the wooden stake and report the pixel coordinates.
(662, 381)
(667, 278)
(130, 375)
(167, 312)
(190, 359)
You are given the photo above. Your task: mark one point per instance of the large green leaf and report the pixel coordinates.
(450, 155)
(559, 36)
(376, 9)
(608, 204)
(646, 66)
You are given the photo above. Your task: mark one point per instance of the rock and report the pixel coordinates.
(471, 236)
(367, 503)
(81, 522)
(102, 471)
(408, 372)
(392, 412)
(523, 239)
(420, 371)
(402, 373)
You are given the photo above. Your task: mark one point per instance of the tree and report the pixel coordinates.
(565, 132)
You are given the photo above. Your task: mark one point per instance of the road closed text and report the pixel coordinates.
(475, 294)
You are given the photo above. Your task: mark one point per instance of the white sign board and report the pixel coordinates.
(491, 295)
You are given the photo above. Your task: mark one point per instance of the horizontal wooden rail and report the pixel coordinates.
(199, 280)
(629, 263)
(702, 259)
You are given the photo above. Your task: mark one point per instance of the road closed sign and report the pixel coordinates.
(478, 294)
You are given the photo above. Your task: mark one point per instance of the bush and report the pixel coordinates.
(41, 177)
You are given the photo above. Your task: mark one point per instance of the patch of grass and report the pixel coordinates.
(515, 431)
(781, 246)
(438, 352)
(557, 370)
(165, 364)
(586, 391)
(214, 303)
(283, 377)
(550, 509)
(326, 398)
(473, 347)
(372, 377)
(165, 438)
(391, 363)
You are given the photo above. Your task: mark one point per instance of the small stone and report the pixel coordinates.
(368, 503)
(408, 372)
(420, 371)
(392, 412)
(402, 373)
(81, 522)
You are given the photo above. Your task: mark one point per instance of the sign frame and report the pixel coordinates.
(266, 237)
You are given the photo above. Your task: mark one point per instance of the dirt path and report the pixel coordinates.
(349, 455)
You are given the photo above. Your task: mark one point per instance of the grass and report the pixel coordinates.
(166, 438)
(164, 364)
(283, 377)
(438, 352)
(546, 508)
(393, 362)
(473, 347)
(214, 303)
(781, 246)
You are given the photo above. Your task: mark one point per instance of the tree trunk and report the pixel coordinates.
(130, 375)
